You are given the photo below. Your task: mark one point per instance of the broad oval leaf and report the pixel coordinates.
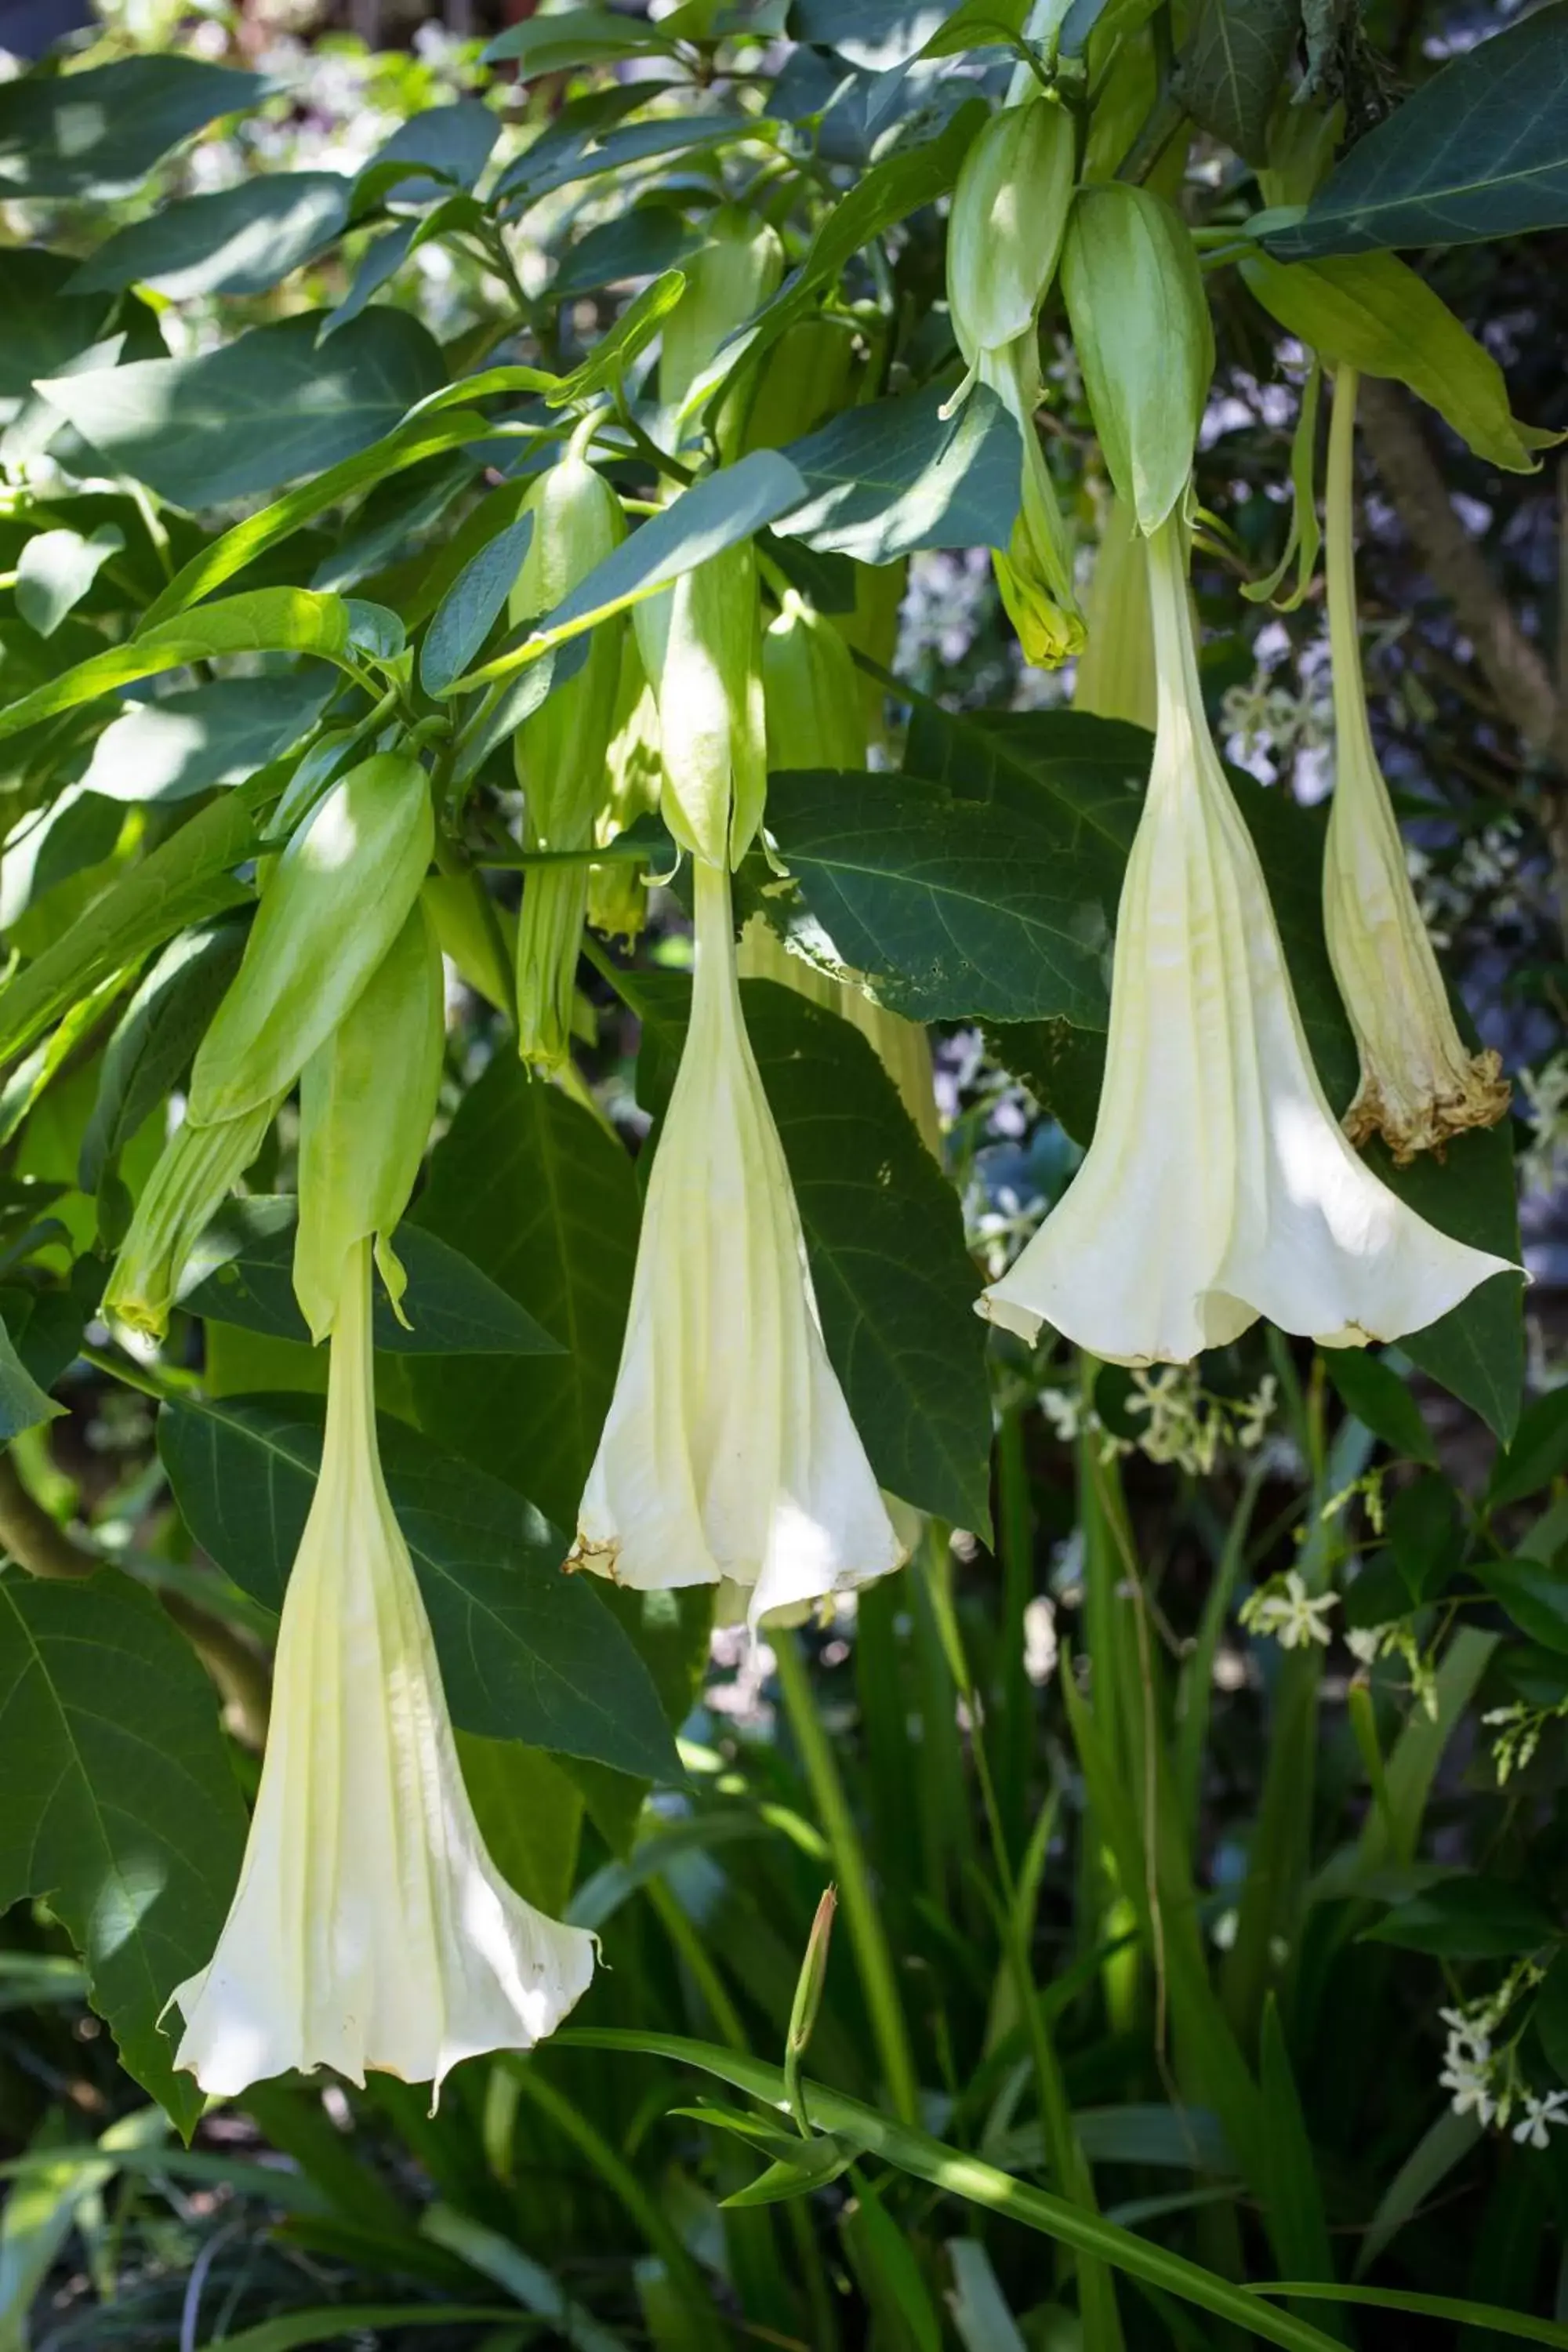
(462, 620)
(453, 1308)
(886, 479)
(525, 1652)
(954, 908)
(217, 733)
(241, 240)
(100, 133)
(260, 411)
(1480, 151)
(121, 1806)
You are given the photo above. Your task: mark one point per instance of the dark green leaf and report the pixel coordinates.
(1425, 1533)
(547, 1203)
(671, 1634)
(1078, 777)
(453, 1308)
(1467, 1919)
(452, 142)
(896, 476)
(876, 35)
(46, 328)
(954, 908)
(56, 571)
(217, 733)
(243, 240)
(462, 620)
(185, 881)
(540, 171)
(268, 620)
(1379, 1400)
(121, 1804)
(574, 36)
(383, 258)
(1537, 1455)
(155, 1040)
(525, 1652)
(1230, 76)
(1534, 1594)
(262, 410)
(46, 1324)
(1063, 1068)
(1552, 2016)
(1480, 151)
(640, 243)
(23, 1403)
(1377, 1595)
(100, 133)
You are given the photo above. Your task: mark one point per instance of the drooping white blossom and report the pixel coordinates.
(370, 1928)
(1219, 1186)
(729, 1455)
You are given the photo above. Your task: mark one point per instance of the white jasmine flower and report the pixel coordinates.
(1420, 1084)
(729, 1455)
(1289, 1614)
(1537, 2114)
(371, 1929)
(1218, 1186)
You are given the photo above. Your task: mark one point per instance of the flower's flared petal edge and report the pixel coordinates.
(729, 1453)
(1420, 1085)
(1218, 1186)
(370, 1928)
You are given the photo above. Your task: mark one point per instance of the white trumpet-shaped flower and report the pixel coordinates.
(1420, 1084)
(371, 1929)
(729, 1456)
(1218, 1186)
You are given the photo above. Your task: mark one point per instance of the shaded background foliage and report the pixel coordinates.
(560, 2200)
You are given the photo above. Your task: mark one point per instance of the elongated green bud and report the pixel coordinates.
(1035, 571)
(185, 1193)
(1145, 341)
(367, 1097)
(737, 270)
(811, 692)
(1009, 216)
(805, 382)
(560, 751)
(618, 890)
(338, 898)
(701, 645)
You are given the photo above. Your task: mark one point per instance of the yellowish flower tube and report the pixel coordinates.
(1420, 1085)
(1219, 1186)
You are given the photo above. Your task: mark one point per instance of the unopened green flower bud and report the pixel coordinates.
(701, 646)
(560, 751)
(367, 1097)
(733, 274)
(1034, 572)
(1009, 216)
(339, 897)
(805, 382)
(618, 890)
(1145, 341)
(811, 692)
(186, 1191)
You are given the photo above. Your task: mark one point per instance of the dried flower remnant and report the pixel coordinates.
(1420, 1085)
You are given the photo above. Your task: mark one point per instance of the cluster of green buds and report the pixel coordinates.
(337, 899)
(562, 749)
(1010, 212)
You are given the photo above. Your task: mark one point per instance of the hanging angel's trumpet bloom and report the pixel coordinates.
(1419, 1082)
(1219, 1186)
(1009, 216)
(729, 1456)
(370, 1928)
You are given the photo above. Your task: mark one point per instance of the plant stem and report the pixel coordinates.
(872, 1955)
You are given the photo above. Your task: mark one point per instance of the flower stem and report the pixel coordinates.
(872, 1955)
